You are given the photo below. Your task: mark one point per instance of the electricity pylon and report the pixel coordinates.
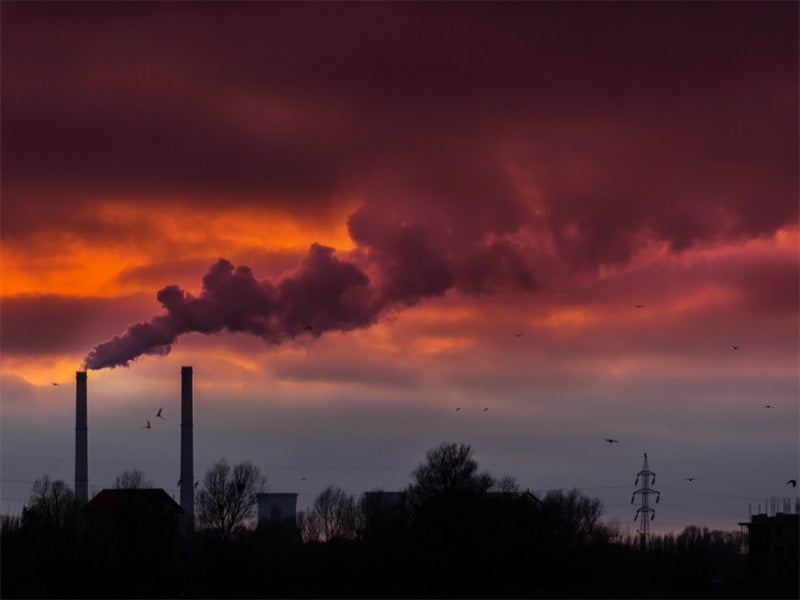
(644, 513)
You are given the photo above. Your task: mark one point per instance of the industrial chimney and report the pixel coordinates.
(81, 440)
(187, 458)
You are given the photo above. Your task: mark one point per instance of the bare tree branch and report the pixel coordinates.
(228, 496)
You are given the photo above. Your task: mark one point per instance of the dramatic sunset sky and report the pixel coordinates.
(352, 219)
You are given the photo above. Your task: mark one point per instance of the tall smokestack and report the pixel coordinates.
(187, 458)
(81, 440)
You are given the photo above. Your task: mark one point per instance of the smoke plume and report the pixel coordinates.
(323, 294)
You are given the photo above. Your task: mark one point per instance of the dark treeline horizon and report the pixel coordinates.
(459, 532)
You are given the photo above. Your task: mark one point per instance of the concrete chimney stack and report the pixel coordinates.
(81, 440)
(187, 453)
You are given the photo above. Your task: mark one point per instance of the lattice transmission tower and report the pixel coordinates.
(644, 513)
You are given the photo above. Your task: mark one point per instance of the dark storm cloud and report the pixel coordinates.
(673, 121)
(496, 265)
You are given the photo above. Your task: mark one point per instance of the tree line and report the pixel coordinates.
(459, 531)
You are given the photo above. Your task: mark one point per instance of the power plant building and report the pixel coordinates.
(774, 547)
(187, 482)
(276, 508)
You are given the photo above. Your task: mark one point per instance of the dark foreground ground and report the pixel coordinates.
(409, 564)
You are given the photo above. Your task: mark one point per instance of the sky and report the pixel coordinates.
(352, 220)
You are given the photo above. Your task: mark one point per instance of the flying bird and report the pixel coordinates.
(520, 334)
(485, 409)
(735, 346)
(689, 479)
(302, 479)
(610, 441)
(768, 406)
(308, 328)
(54, 383)
(792, 482)
(638, 306)
(158, 414)
(146, 426)
(458, 408)
(196, 483)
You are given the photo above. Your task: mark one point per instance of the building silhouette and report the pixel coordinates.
(277, 517)
(133, 537)
(773, 542)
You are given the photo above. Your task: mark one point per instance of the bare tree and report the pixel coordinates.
(132, 480)
(309, 527)
(51, 502)
(507, 484)
(448, 470)
(332, 516)
(228, 496)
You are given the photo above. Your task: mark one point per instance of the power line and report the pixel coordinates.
(598, 487)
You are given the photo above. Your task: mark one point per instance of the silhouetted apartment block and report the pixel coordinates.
(773, 543)
(133, 534)
(277, 516)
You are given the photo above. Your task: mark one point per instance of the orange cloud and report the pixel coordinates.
(42, 370)
(122, 236)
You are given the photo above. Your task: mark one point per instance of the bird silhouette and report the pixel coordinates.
(689, 479)
(302, 479)
(638, 306)
(485, 409)
(458, 408)
(158, 414)
(768, 406)
(520, 334)
(309, 328)
(196, 483)
(146, 426)
(54, 383)
(610, 441)
(735, 346)
(792, 482)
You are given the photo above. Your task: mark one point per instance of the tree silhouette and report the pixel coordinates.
(132, 480)
(43, 555)
(507, 484)
(228, 496)
(382, 516)
(332, 516)
(448, 470)
(52, 503)
(574, 519)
